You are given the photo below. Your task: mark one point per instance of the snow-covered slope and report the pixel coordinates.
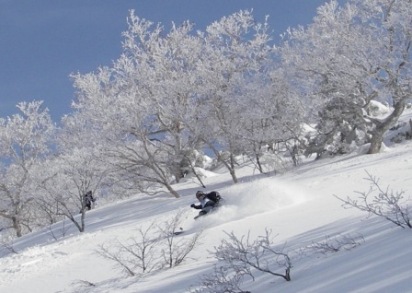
(299, 207)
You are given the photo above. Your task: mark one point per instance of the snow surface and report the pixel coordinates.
(299, 206)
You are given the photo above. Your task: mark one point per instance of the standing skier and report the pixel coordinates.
(88, 199)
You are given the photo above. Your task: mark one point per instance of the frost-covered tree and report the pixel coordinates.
(138, 104)
(67, 178)
(171, 63)
(348, 57)
(390, 23)
(172, 94)
(274, 122)
(236, 48)
(25, 142)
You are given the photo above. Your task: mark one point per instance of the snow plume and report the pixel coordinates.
(251, 198)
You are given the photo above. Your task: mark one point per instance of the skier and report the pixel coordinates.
(88, 199)
(207, 201)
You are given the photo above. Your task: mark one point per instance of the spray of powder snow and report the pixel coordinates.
(261, 196)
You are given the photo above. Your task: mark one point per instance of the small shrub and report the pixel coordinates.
(385, 203)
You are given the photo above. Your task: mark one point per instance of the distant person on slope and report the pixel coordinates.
(88, 199)
(207, 201)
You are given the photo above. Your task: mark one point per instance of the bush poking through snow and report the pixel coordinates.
(239, 258)
(175, 249)
(61, 232)
(155, 248)
(242, 254)
(337, 243)
(223, 279)
(83, 285)
(385, 203)
(136, 256)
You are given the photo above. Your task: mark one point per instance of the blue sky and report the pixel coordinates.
(43, 41)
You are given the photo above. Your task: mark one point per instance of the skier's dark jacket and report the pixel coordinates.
(210, 199)
(213, 196)
(88, 199)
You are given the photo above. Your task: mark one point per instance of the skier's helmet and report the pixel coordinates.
(200, 194)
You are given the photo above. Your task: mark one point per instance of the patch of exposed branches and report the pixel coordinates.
(386, 203)
(223, 279)
(241, 258)
(337, 243)
(175, 248)
(82, 286)
(60, 232)
(156, 247)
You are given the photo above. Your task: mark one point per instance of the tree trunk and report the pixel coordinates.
(287, 275)
(171, 190)
(376, 140)
(17, 226)
(233, 174)
(232, 168)
(259, 164)
(383, 126)
(197, 175)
